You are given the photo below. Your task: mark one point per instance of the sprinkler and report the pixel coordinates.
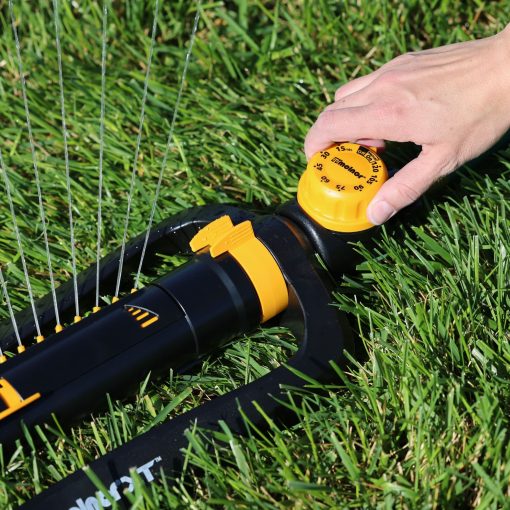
(244, 270)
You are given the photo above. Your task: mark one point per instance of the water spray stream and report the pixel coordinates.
(137, 150)
(66, 156)
(169, 143)
(58, 326)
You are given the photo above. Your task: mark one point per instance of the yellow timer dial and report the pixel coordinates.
(338, 185)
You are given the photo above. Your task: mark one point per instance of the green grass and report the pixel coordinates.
(423, 422)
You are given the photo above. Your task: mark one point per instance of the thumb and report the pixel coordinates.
(406, 186)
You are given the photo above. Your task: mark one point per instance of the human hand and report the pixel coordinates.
(454, 101)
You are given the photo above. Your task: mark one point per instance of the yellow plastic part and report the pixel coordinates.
(3, 358)
(142, 314)
(12, 399)
(77, 318)
(58, 328)
(115, 299)
(338, 185)
(206, 237)
(39, 338)
(149, 322)
(96, 309)
(21, 348)
(221, 236)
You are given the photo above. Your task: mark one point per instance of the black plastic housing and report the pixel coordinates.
(200, 307)
(330, 245)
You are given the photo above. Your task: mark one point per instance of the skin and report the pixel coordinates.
(453, 101)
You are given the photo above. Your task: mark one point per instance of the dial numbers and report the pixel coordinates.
(348, 168)
(338, 185)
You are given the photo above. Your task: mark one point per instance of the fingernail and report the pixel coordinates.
(379, 212)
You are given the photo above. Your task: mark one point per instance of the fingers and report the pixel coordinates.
(407, 185)
(358, 98)
(355, 85)
(355, 99)
(366, 122)
(358, 84)
(370, 142)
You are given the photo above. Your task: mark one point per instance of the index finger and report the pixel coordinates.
(349, 125)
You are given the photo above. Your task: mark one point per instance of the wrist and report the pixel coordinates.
(505, 36)
(505, 69)
(503, 57)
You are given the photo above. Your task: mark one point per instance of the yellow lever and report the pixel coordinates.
(12, 399)
(221, 236)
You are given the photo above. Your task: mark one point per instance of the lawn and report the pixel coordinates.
(419, 423)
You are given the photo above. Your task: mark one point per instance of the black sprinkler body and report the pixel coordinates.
(244, 270)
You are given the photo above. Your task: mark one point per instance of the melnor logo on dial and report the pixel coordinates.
(143, 316)
(348, 167)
